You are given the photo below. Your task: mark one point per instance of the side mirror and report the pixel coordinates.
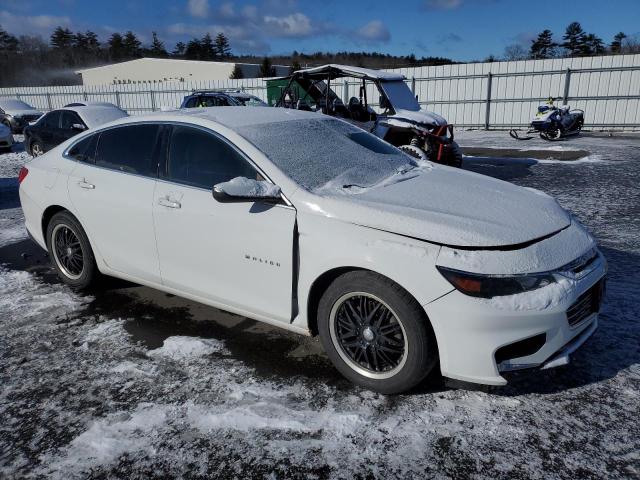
(78, 126)
(242, 189)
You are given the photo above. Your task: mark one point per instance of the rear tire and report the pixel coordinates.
(375, 333)
(70, 251)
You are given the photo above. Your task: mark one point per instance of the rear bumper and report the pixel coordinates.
(479, 340)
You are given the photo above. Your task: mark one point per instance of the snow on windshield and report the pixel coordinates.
(400, 96)
(314, 152)
(11, 104)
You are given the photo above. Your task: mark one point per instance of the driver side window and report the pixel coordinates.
(201, 159)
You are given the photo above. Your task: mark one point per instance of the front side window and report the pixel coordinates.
(85, 149)
(51, 120)
(129, 149)
(201, 159)
(69, 119)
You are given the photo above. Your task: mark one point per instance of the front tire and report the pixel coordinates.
(36, 149)
(375, 333)
(70, 251)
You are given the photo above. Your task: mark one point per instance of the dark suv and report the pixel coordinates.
(209, 99)
(16, 114)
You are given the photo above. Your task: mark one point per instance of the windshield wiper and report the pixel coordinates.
(399, 171)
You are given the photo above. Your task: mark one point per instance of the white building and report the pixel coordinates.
(158, 70)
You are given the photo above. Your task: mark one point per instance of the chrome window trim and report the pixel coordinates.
(65, 153)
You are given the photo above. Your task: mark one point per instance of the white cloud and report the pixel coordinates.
(374, 31)
(443, 4)
(294, 25)
(32, 25)
(198, 8)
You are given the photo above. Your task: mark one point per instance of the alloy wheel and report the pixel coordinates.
(67, 251)
(368, 335)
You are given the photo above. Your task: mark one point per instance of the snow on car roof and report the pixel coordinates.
(14, 104)
(234, 117)
(95, 115)
(338, 71)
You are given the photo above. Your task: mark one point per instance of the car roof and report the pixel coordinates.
(335, 70)
(14, 104)
(94, 115)
(230, 117)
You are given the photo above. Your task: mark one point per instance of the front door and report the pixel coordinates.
(112, 193)
(234, 254)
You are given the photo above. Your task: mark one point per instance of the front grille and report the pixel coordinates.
(586, 304)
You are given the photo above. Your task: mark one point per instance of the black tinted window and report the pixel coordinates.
(84, 150)
(68, 119)
(129, 149)
(51, 120)
(203, 160)
(191, 103)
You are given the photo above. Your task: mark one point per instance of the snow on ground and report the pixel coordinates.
(131, 383)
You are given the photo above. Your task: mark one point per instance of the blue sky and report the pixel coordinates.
(459, 29)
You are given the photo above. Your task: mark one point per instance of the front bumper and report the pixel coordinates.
(473, 333)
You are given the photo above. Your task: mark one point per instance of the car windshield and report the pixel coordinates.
(327, 153)
(400, 95)
(14, 105)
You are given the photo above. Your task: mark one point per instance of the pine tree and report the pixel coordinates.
(8, 42)
(80, 43)
(93, 44)
(266, 68)
(157, 47)
(223, 49)
(62, 39)
(236, 73)
(207, 48)
(616, 45)
(116, 47)
(593, 45)
(574, 39)
(131, 45)
(543, 46)
(179, 50)
(193, 50)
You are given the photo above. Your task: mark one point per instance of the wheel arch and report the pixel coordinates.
(48, 214)
(322, 282)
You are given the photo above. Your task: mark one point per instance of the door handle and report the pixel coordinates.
(166, 202)
(84, 184)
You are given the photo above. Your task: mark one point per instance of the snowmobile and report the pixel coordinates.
(422, 134)
(553, 123)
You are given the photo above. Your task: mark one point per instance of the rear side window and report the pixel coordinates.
(203, 160)
(129, 149)
(84, 150)
(191, 103)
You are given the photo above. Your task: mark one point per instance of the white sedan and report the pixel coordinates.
(305, 222)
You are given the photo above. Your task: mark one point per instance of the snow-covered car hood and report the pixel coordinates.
(23, 113)
(452, 207)
(421, 116)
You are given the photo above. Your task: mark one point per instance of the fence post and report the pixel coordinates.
(118, 99)
(85, 96)
(345, 93)
(49, 101)
(413, 86)
(487, 112)
(567, 84)
(153, 101)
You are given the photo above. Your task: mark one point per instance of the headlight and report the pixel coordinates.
(488, 286)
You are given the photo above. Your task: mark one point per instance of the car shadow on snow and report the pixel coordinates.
(153, 316)
(9, 193)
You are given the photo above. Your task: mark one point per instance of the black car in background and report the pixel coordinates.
(59, 125)
(202, 99)
(16, 114)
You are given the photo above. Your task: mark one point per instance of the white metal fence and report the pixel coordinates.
(476, 95)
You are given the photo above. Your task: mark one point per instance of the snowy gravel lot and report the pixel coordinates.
(128, 382)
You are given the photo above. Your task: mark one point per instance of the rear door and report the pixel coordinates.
(112, 193)
(48, 129)
(235, 254)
